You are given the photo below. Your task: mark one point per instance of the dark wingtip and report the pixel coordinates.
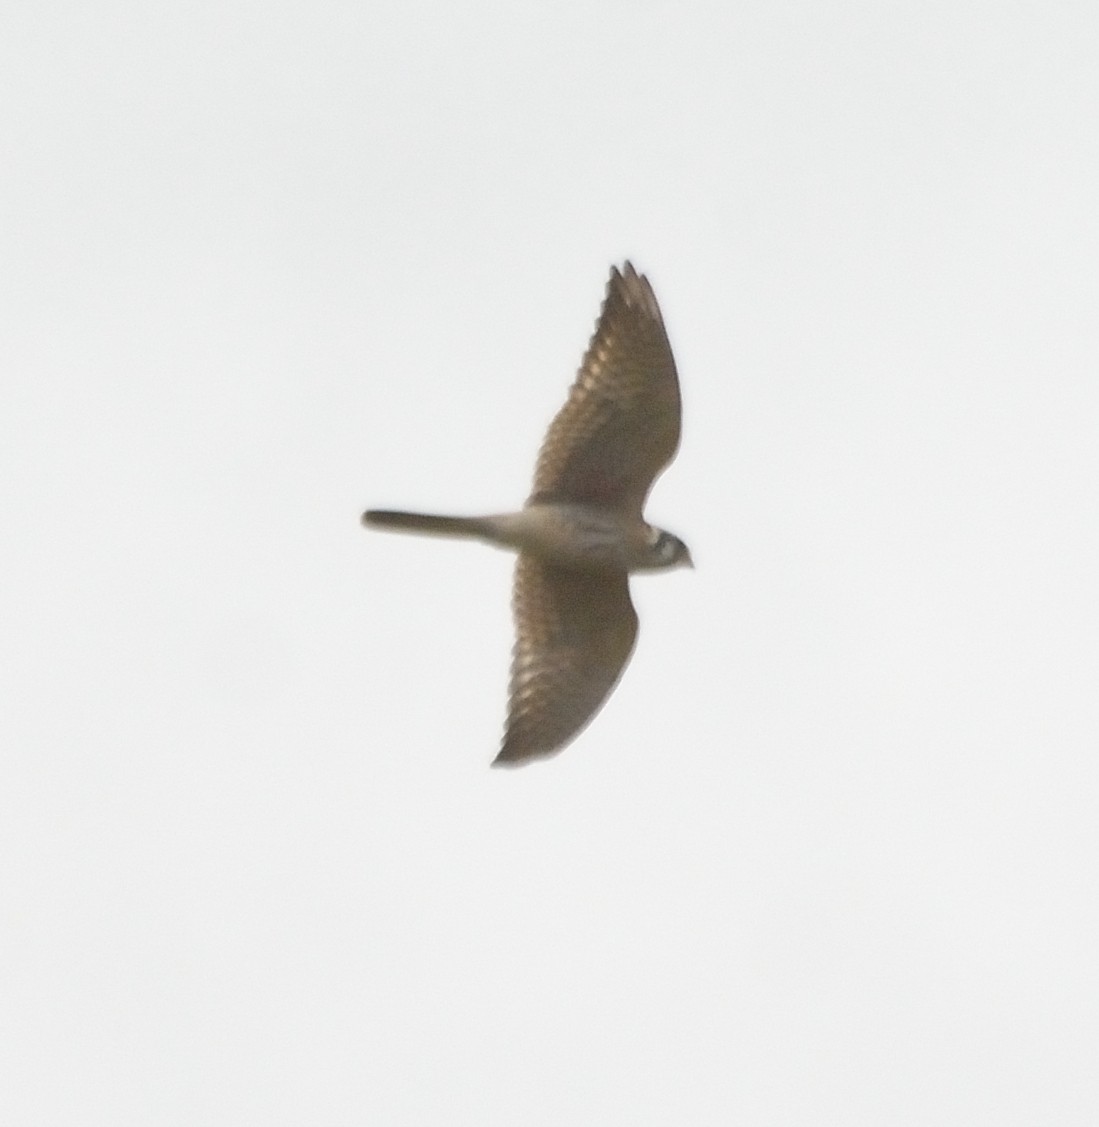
(508, 764)
(634, 289)
(624, 272)
(511, 757)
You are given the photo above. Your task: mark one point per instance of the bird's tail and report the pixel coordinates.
(421, 522)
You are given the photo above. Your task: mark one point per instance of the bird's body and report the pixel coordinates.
(570, 534)
(582, 533)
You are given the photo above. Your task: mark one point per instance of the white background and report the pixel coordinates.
(829, 855)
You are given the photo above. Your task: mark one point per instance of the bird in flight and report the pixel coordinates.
(581, 533)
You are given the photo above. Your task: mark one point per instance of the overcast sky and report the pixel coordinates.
(830, 854)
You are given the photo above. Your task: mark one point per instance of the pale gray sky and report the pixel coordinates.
(830, 854)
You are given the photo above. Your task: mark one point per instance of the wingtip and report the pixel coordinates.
(506, 764)
(510, 757)
(633, 289)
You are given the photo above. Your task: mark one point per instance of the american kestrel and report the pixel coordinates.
(582, 532)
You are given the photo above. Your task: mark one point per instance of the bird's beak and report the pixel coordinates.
(688, 562)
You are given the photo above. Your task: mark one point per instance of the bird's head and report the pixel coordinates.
(667, 550)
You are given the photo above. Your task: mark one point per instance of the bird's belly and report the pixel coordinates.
(579, 536)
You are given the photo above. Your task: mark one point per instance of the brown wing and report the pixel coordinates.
(620, 425)
(574, 634)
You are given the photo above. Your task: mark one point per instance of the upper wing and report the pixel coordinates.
(620, 425)
(575, 632)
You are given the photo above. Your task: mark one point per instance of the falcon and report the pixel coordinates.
(582, 533)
